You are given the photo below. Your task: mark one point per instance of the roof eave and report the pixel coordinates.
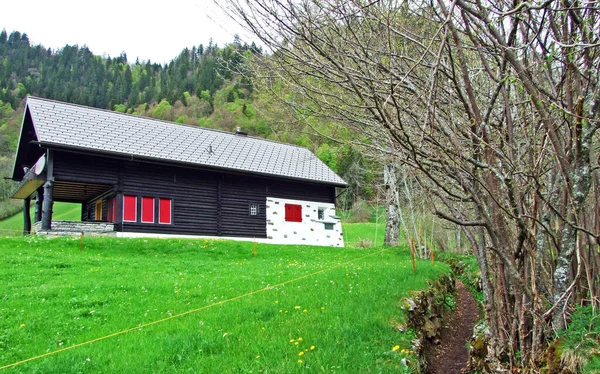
(25, 111)
(156, 160)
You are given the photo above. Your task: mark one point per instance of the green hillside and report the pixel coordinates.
(205, 85)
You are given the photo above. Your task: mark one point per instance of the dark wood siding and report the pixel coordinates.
(193, 195)
(237, 193)
(301, 191)
(204, 202)
(75, 167)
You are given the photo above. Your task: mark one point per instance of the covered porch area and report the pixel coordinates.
(91, 197)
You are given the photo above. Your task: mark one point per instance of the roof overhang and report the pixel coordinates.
(27, 152)
(159, 161)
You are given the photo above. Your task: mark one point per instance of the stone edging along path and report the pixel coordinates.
(442, 335)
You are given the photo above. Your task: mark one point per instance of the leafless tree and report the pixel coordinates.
(493, 107)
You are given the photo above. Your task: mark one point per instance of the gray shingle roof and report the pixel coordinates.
(96, 130)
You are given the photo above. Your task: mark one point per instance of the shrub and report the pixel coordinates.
(360, 212)
(364, 243)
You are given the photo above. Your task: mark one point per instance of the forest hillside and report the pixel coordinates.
(205, 85)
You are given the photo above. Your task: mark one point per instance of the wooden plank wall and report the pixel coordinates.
(204, 202)
(237, 193)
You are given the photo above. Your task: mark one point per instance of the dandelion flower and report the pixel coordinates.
(301, 353)
(257, 356)
(300, 361)
(396, 347)
(304, 311)
(297, 307)
(292, 340)
(22, 325)
(312, 347)
(299, 339)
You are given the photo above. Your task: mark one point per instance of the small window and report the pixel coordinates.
(129, 208)
(328, 226)
(321, 214)
(293, 213)
(164, 211)
(254, 209)
(147, 210)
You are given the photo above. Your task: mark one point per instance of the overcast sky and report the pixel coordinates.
(151, 29)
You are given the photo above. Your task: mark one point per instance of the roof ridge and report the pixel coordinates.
(171, 123)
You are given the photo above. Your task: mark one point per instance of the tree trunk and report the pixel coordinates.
(392, 226)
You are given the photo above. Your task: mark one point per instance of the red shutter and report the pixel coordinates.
(293, 213)
(129, 208)
(147, 210)
(164, 211)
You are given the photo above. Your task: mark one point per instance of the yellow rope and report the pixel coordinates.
(182, 314)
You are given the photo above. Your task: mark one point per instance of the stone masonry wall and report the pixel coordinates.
(76, 228)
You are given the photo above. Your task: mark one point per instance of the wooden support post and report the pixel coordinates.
(47, 206)
(26, 216)
(431, 252)
(119, 202)
(39, 198)
(48, 201)
(414, 264)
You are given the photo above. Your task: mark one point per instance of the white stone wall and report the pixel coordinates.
(310, 231)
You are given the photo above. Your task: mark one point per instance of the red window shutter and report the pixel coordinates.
(147, 210)
(129, 208)
(164, 211)
(293, 213)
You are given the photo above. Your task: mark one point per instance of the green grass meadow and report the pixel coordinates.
(366, 233)
(291, 309)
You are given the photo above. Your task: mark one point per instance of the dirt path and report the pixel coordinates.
(450, 356)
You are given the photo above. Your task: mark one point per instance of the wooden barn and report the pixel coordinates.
(137, 176)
